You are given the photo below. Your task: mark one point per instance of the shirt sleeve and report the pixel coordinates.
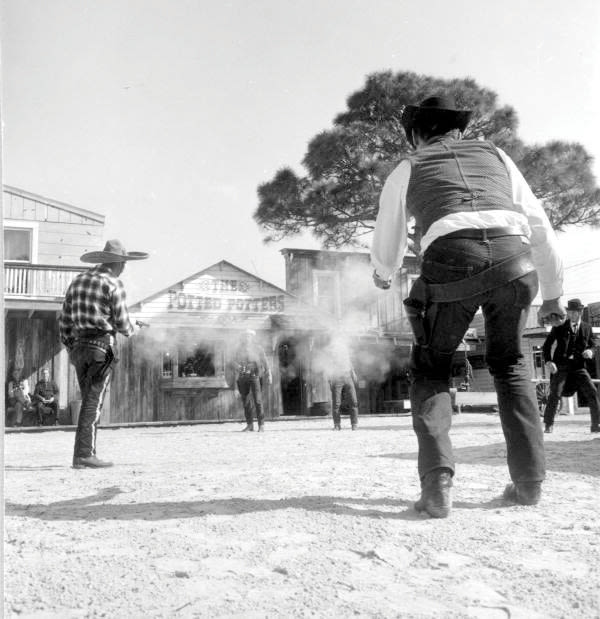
(390, 237)
(65, 322)
(547, 346)
(120, 312)
(544, 246)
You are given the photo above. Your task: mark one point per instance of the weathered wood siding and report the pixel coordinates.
(33, 344)
(138, 391)
(64, 232)
(214, 305)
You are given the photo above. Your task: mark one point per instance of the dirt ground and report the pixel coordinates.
(301, 521)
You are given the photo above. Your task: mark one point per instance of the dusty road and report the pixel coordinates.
(301, 521)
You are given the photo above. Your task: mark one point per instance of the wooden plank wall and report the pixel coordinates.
(63, 236)
(39, 341)
(64, 243)
(136, 393)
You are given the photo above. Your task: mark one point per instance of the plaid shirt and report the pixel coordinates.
(94, 300)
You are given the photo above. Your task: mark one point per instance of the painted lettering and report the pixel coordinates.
(186, 301)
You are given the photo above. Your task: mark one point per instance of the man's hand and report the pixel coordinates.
(552, 313)
(269, 378)
(384, 284)
(551, 367)
(588, 353)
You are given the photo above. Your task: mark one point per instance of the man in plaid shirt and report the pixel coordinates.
(94, 311)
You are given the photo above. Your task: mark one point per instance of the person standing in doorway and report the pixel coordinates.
(485, 242)
(251, 367)
(93, 312)
(575, 342)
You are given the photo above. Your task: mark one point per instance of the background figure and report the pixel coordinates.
(342, 379)
(483, 235)
(19, 397)
(575, 343)
(45, 399)
(94, 311)
(251, 366)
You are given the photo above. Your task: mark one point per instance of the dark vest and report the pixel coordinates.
(453, 176)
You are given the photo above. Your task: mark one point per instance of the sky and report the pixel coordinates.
(166, 115)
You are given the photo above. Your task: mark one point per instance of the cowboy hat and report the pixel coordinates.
(575, 304)
(113, 252)
(440, 108)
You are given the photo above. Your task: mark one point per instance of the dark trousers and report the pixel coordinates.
(579, 378)
(337, 385)
(505, 309)
(93, 375)
(250, 389)
(47, 410)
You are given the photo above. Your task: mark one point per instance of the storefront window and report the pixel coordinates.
(199, 360)
(198, 363)
(167, 365)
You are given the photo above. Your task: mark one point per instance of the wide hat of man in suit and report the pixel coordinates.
(573, 343)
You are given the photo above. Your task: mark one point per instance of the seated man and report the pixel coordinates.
(45, 399)
(18, 396)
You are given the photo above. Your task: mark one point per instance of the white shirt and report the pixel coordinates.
(390, 239)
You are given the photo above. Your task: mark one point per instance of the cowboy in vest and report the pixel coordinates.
(485, 242)
(93, 312)
(251, 365)
(574, 346)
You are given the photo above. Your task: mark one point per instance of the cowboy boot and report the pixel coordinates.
(524, 492)
(435, 498)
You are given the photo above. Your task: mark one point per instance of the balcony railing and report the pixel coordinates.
(38, 280)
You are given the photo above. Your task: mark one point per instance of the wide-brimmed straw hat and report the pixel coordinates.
(439, 108)
(113, 252)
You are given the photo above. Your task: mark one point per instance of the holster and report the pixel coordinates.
(423, 295)
(416, 305)
(105, 368)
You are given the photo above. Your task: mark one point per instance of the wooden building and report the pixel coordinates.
(182, 367)
(43, 241)
(373, 320)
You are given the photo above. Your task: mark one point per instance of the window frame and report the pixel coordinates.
(18, 225)
(316, 274)
(176, 353)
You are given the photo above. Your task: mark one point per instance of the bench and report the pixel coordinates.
(475, 398)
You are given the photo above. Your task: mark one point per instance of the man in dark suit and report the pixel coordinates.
(574, 346)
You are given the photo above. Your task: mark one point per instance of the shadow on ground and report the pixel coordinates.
(99, 507)
(49, 467)
(582, 457)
